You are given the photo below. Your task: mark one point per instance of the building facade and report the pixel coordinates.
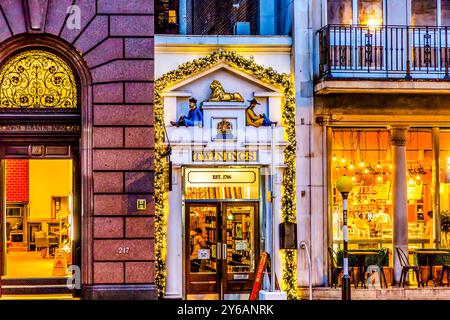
(228, 174)
(77, 94)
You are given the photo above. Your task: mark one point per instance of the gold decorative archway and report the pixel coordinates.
(288, 205)
(37, 79)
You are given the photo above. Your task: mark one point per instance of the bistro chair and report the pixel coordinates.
(335, 269)
(445, 269)
(406, 267)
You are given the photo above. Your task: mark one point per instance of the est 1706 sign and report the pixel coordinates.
(224, 156)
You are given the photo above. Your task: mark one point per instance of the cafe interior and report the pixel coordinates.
(366, 155)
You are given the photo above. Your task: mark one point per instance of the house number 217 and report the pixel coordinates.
(123, 250)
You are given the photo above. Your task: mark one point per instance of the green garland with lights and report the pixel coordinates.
(288, 204)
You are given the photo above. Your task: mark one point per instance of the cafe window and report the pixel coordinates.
(444, 190)
(419, 157)
(366, 156)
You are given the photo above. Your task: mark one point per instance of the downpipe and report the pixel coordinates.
(304, 246)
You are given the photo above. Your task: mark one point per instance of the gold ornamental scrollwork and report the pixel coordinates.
(37, 151)
(37, 79)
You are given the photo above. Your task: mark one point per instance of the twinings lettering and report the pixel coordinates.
(224, 156)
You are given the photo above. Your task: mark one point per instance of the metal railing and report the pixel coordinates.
(384, 51)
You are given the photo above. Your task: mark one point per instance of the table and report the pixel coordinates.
(428, 254)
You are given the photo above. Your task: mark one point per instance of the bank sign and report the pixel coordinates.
(224, 156)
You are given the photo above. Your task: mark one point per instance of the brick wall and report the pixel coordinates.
(116, 43)
(17, 181)
(210, 17)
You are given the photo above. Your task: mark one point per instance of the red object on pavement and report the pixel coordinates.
(259, 276)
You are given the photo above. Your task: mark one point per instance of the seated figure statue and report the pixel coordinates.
(194, 116)
(252, 119)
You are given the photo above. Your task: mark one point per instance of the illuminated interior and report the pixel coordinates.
(39, 213)
(366, 156)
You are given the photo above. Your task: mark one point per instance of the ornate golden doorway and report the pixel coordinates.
(40, 125)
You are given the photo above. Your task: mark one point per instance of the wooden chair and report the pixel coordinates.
(406, 267)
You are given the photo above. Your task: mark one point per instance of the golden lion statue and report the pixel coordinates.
(218, 93)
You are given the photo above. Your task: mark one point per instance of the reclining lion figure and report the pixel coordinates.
(218, 93)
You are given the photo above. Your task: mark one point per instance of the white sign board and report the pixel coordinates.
(203, 254)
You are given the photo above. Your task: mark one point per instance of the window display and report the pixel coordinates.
(366, 156)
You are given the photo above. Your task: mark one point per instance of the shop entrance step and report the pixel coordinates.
(11, 286)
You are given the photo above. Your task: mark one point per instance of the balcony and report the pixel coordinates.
(413, 59)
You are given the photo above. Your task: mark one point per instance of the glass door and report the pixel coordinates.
(203, 265)
(240, 237)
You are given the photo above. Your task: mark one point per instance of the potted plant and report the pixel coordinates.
(445, 225)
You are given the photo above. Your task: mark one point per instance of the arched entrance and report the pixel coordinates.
(40, 171)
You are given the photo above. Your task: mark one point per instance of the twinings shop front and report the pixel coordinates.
(226, 138)
(400, 197)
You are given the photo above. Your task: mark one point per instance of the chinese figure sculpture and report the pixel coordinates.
(194, 116)
(218, 93)
(252, 119)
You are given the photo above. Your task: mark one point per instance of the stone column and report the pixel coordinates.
(174, 260)
(400, 234)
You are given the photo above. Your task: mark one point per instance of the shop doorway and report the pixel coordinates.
(222, 247)
(40, 220)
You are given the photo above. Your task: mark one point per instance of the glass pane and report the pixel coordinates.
(423, 12)
(444, 157)
(445, 12)
(220, 183)
(339, 12)
(203, 238)
(419, 157)
(366, 156)
(370, 12)
(240, 239)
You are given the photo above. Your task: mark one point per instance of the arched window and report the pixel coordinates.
(37, 79)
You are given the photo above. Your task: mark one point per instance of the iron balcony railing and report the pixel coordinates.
(384, 51)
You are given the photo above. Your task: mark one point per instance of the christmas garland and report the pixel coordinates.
(288, 205)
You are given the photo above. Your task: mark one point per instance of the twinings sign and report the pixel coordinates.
(224, 156)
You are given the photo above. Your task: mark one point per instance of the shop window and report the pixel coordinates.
(339, 12)
(366, 156)
(419, 157)
(423, 13)
(444, 190)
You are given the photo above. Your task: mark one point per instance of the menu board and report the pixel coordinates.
(415, 191)
(378, 192)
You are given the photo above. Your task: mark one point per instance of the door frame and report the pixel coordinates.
(221, 274)
(14, 147)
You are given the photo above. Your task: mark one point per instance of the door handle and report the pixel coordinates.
(224, 251)
(218, 251)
